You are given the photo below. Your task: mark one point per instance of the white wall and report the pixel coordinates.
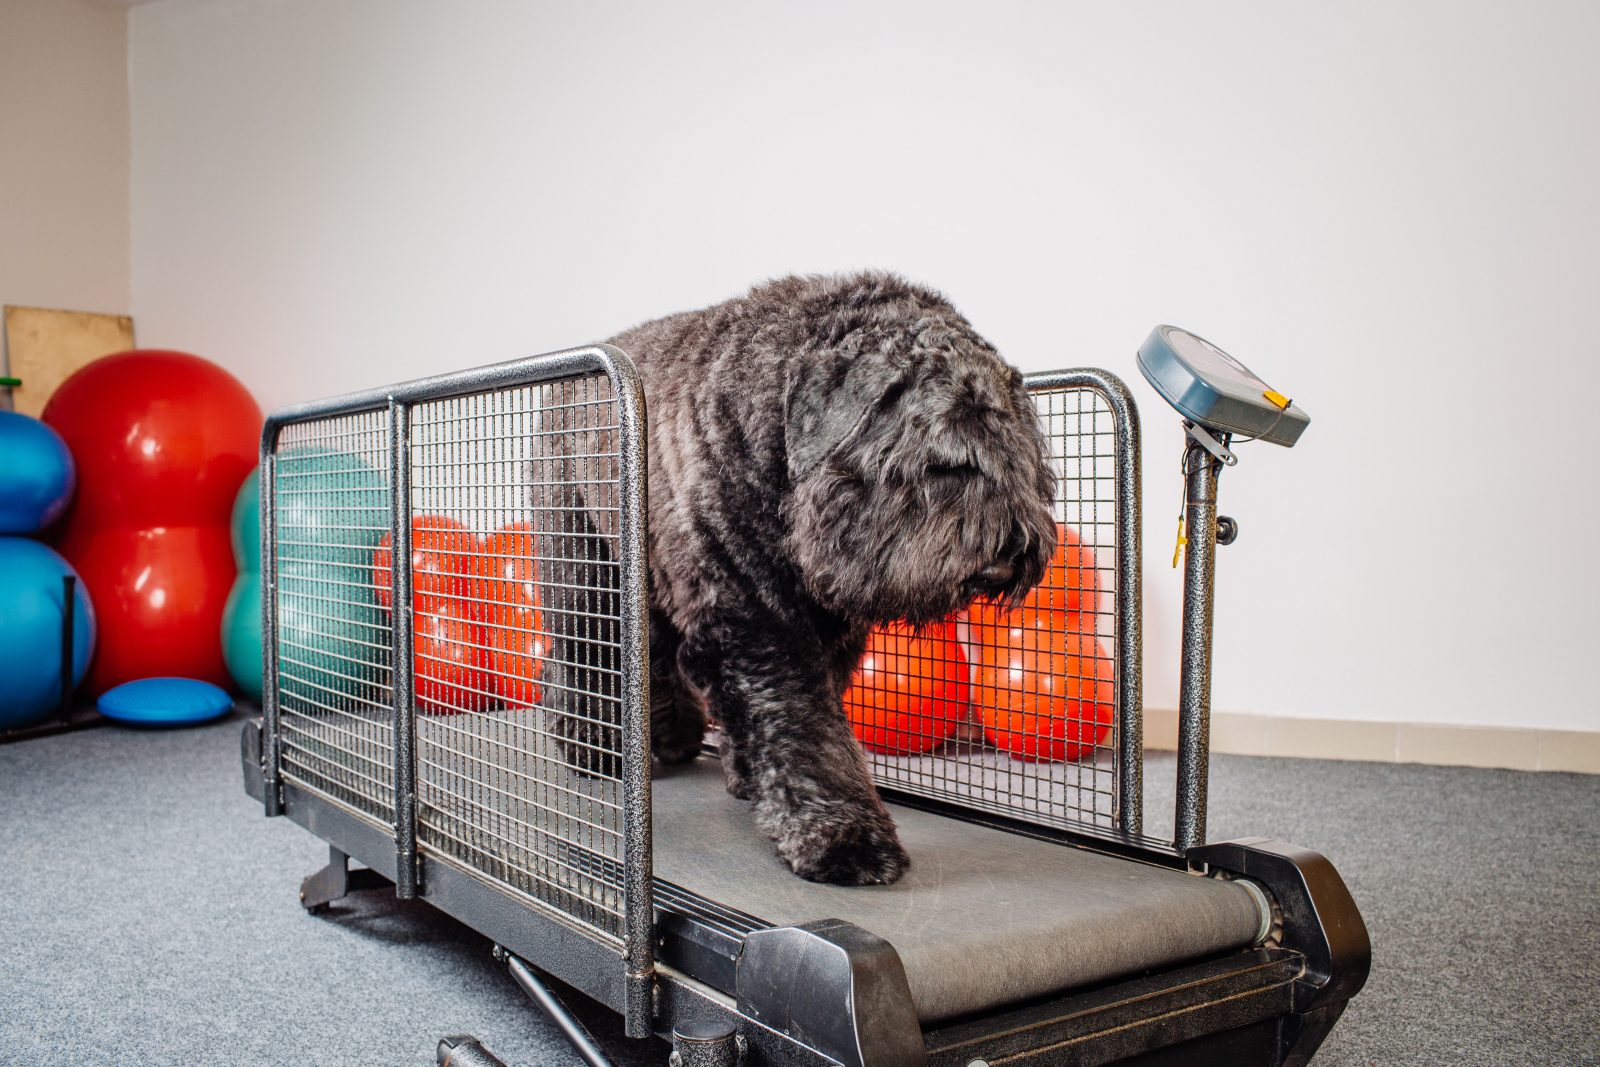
(1388, 209)
(64, 155)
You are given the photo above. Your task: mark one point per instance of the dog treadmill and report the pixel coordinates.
(1041, 921)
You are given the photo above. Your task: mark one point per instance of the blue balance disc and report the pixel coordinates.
(164, 702)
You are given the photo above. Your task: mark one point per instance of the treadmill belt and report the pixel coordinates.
(983, 918)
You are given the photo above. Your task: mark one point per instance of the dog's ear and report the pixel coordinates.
(827, 397)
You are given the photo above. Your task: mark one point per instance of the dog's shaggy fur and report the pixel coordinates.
(825, 454)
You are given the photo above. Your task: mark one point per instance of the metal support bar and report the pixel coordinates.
(542, 995)
(1201, 469)
(1130, 608)
(404, 721)
(272, 786)
(638, 872)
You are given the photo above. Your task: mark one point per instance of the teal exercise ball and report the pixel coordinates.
(241, 634)
(32, 614)
(37, 474)
(331, 509)
(241, 615)
(245, 524)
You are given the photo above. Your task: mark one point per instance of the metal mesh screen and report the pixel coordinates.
(331, 504)
(516, 620)
(1017, 712)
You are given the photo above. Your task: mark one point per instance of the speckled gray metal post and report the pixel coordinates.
(638, 871)
(404, 721)
(1194, 688)
(269, 626)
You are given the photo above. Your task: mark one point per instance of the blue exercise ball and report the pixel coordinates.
(37, 475)
(32, 612)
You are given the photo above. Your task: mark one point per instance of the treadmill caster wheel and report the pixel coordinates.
(704, 1045)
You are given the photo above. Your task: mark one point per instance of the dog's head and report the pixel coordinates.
(920, 478)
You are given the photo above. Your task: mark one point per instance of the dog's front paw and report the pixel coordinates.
(860, 852)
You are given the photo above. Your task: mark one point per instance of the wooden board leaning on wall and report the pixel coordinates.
(44, 346)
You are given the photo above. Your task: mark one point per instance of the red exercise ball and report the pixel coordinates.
(910, 691)
(1070, 584)
(158, 597)
(505, 597)
(1045, 687)
(450, 666)
(442, 551)
(161, 441)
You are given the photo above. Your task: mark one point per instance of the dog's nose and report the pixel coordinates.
(995, 575)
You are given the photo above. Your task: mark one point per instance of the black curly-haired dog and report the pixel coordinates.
(825, 454)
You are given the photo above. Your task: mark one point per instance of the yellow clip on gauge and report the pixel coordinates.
(1277, 398)
(1177, 550)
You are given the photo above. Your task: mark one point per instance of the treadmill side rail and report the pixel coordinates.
(1320, 918)
(834, 987)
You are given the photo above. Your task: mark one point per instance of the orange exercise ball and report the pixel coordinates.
(505, 596)
(909, 693)
(1045, 687)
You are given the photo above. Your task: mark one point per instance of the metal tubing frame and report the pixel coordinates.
(404, 723)
(269, 622)
(553, 1009)
(1201, 470)
(1130, 571)
(638, 872)
(638, 934)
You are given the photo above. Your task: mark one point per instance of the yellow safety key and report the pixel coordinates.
(1277, 398)
(1177, 550)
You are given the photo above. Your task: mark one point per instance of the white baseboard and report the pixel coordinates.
(1243, 734)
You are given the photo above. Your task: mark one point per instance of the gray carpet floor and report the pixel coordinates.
(148, 914)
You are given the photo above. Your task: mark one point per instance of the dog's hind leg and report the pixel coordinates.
(677, 708)
(583, 612)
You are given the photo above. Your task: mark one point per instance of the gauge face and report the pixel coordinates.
(1211, 362)
(1212, 389)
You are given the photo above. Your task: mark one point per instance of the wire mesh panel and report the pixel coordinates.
(516, 556)
(331, 510)
(1028, 712)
